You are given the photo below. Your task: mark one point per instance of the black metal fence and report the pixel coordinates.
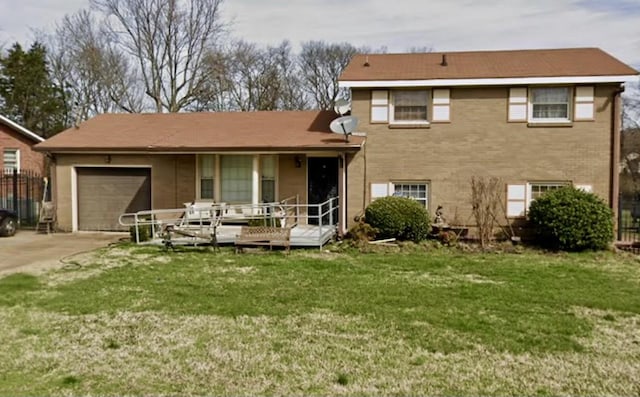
(22, 192)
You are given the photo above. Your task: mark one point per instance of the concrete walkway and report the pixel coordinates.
(28, 251)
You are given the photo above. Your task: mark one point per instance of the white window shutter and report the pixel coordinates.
(379, 106)
(441, 104)
(585, 188)
(516, 200)
(517, 104)
(379, 190)
(584, 103)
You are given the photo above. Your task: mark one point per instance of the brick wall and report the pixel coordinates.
(480, 142)
(172, 179)
(29, 160)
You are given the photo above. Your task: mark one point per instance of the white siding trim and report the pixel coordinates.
(486, 82)
(255, 185)
(74, 199)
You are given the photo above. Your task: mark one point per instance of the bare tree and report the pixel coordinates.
(321, 64)
(169, 40)
(253, 79)
(292, 95)
(486, 200)
(246, 77)
(96, 76)
(213, 94)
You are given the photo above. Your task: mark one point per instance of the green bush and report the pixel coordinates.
(571, 220)
(399, 217)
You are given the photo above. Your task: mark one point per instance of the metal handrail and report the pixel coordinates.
(288, 210)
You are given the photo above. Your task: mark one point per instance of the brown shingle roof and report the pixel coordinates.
(486, 64)
(193, 132)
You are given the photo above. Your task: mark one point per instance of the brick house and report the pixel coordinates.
(16, 144)
(118, 163)
(536, 119)
(428, 123)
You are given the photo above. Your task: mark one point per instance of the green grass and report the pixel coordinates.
(142, 321)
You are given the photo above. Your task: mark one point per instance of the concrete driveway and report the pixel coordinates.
(29, 251)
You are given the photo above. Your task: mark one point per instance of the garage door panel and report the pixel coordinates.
(106, 193)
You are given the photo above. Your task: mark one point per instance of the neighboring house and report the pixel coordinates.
(537, 119)
(16, 147)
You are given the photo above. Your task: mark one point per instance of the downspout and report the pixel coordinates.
(364, 184)
(615, 155)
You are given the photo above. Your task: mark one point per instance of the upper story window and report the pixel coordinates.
(409, 106)
(550, 104)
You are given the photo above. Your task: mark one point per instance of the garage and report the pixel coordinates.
(104, 193)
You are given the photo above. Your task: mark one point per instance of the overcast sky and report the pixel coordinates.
(443, 25)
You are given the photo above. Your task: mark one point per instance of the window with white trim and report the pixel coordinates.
(537, 189)
(230, 178)
(236, 178)
(11, 160)
(418, 191)
(520, 197)
(550, 104)
(206, 171)
(268, 178)
(409, 106)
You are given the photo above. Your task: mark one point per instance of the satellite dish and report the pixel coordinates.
(344, 125)
(342, 107)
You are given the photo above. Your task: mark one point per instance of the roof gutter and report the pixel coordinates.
(165, 150)
(21, 129)
(486, 81)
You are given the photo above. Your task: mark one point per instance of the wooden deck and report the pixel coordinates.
(301, 236)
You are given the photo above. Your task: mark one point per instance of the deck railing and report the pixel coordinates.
(201, 218)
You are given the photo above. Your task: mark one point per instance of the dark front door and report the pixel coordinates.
(323, 185)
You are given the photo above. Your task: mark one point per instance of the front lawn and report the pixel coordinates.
(138, 320)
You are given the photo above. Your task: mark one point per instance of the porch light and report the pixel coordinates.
(297, 161)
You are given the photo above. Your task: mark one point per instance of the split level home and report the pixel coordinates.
(428, 124)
